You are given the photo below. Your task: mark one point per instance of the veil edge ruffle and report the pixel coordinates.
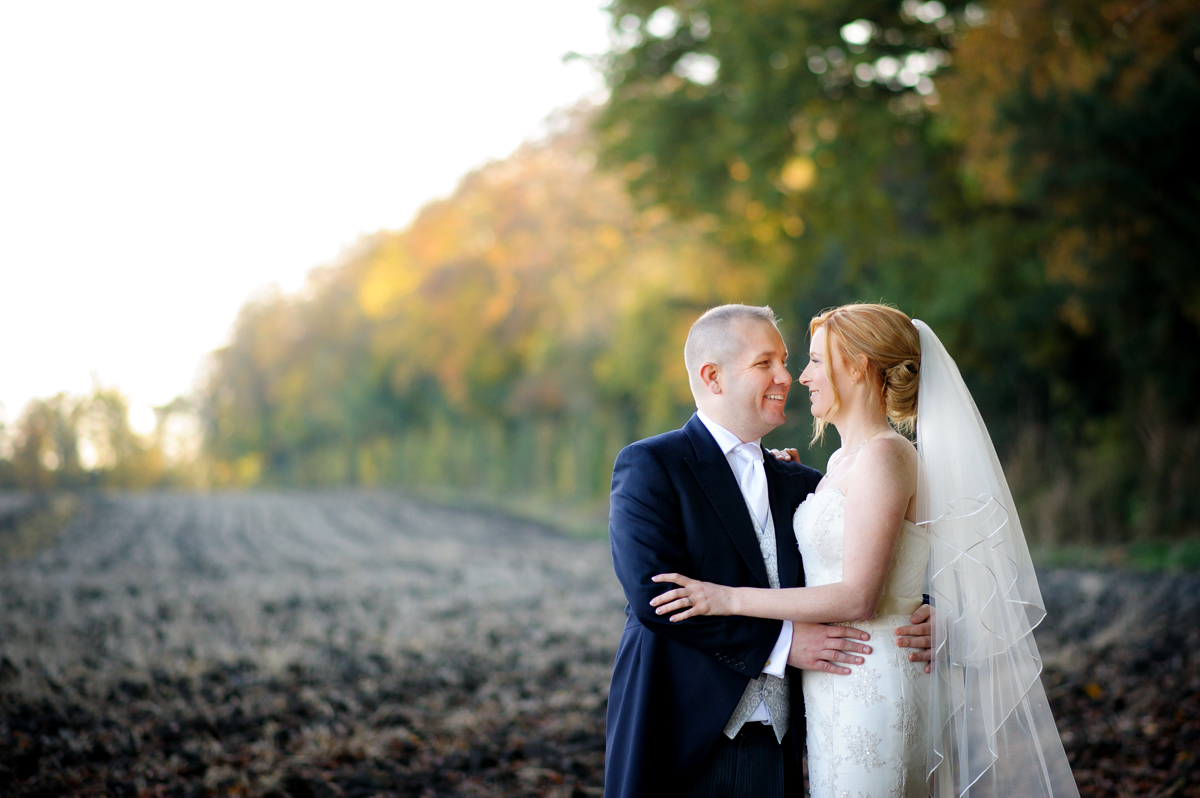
(991, 730)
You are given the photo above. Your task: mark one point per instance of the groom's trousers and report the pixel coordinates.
(751, 765)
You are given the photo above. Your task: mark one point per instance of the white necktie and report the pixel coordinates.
(753, 481)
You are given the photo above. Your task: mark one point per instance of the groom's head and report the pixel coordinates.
(737, 369)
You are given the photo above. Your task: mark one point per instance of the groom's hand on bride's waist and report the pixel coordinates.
(918, 636)
(817, 647)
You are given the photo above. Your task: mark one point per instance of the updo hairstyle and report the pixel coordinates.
(892, 347)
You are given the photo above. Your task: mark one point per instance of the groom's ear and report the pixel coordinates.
(710, 375)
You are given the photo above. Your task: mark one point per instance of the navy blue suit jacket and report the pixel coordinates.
(676, 506)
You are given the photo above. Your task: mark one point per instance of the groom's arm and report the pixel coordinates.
(646, 532)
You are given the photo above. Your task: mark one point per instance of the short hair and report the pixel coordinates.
(710, 339)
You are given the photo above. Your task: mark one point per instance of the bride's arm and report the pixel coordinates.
(879, 490)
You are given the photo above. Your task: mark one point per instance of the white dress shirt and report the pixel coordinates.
(777, 661)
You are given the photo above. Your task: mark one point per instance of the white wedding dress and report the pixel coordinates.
(866, 731)
(982, 717)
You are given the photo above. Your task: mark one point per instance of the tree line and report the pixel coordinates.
(1021, 174)
(86, 442)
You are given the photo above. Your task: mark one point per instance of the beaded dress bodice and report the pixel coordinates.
(866, 730)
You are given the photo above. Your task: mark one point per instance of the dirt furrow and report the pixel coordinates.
(360, 644)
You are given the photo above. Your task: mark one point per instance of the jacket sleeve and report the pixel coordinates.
(646, 533)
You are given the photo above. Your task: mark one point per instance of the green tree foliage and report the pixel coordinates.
(1022, 174)
(1111, 174)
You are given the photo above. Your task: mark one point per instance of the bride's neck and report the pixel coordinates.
(858, 424)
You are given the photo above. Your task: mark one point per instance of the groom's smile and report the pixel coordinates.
(755, 384)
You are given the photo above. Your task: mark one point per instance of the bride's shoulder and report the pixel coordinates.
(891, 445)
(900, 444)
(891, 455)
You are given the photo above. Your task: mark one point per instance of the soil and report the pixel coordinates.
(362, 644)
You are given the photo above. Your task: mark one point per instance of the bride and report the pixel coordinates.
(887, 517)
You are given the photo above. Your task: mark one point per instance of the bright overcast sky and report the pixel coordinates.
(160, 162)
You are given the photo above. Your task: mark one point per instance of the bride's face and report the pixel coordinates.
(815, 376)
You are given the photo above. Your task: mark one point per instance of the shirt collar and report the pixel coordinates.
(724, 438)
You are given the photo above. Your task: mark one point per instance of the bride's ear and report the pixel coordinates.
(710, 375)
(857, 369)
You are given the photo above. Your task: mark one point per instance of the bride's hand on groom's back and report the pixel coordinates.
(918, 636)
(786, 455)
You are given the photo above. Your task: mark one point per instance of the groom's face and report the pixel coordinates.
(755, 381)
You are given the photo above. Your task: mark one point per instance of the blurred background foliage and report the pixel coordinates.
(1022, 174)
(510, 341)
(86, 442)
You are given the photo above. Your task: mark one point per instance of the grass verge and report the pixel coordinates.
(1145, 556)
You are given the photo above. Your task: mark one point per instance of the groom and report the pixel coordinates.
(712, 706)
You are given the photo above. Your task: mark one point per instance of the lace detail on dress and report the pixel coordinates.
(864, 686)
(863, 747)
(865, 730)
(907, 722)
(830, 721)
(829, 782)
(900, 787)
(823, 518)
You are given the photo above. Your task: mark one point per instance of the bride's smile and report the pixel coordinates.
(821, 393)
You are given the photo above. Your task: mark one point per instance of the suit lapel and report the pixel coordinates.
(781, 487)
(712, 471)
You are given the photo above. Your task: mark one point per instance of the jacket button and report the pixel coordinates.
(742, 665)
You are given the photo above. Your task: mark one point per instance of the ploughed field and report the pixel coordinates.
(361, 644)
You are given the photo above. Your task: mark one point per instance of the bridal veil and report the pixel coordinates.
(992, 734)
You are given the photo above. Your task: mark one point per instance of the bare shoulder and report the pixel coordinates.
(891, 458)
